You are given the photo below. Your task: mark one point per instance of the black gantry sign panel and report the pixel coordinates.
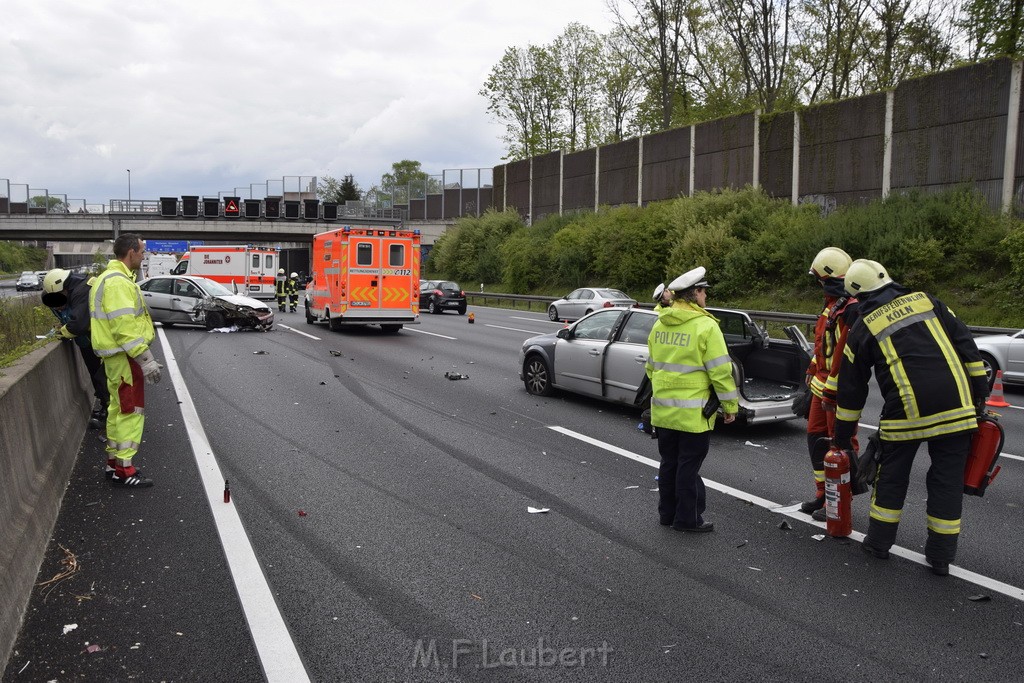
(252, 208)
(211, 208)
(169, 207)
(232, 207)
(190, 206)
(272, 206)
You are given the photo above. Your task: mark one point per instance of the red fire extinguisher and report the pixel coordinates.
(986, 444)
(838, 494)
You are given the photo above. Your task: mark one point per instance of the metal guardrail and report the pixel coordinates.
(807, 319)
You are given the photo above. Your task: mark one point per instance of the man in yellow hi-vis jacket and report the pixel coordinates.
(933, 381)
(121, 334)
(687, 359)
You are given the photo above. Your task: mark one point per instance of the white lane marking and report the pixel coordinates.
(274, 645)
(292, 329)
(514, 329)
(791, 511)
(432, 334)
(536, 320)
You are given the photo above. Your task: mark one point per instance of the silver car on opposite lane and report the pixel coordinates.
(586, 300)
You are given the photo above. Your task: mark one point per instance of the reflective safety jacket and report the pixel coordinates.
(281, 285)
(926, 363)
(687, 355)
(291, 286)
(830, 332)
(120, 320)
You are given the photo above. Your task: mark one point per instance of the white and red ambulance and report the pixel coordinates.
(252, 269)
(365, 275)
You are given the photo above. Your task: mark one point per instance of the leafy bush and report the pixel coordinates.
(15, 258)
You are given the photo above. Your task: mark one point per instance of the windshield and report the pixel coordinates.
(611, 294)
(213, 288)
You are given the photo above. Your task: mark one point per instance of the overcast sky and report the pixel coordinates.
(202, 96)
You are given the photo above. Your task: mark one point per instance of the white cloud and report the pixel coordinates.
(198, 97)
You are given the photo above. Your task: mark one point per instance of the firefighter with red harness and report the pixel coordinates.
(933, 384)
(839, 311)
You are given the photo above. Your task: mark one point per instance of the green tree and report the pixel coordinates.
(51, 203)
(993, 27)
(330, 189)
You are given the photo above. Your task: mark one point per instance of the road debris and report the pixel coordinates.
(260, 353)
(785, 526)
(323, 384)
(68, 628)
(979, 598)
(755, 445)
(91, 648)
(335, 353)
(71, 567)
(534, 511)
(302, 513)
(818, 537)
(455, 375)
(225, 330)
(741, 543)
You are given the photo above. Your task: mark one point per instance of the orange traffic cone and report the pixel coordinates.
(996, 399)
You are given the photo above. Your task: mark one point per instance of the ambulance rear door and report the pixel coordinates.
(365, 272)
(399, 278)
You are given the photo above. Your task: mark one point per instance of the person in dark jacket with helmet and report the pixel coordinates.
(67, 296)
(933, 381)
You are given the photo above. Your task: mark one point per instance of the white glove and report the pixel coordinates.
(150, 368)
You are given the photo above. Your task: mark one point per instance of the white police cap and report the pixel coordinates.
(691, 278)
(658, 291)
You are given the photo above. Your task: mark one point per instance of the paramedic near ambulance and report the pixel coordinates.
(687, 358)
(121, 334)
(932, 379)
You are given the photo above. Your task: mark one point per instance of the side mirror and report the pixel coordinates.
(563, 333)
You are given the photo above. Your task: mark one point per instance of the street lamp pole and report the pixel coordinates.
(129, 189)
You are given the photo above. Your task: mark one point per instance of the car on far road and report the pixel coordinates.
(603, 355)
(438, 296)
(1003, 352)
(28, 280)
(188, 299)
(585, 301)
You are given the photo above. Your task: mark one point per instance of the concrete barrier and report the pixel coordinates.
(45, 400)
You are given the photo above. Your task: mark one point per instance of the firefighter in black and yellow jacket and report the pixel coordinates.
(932, 379)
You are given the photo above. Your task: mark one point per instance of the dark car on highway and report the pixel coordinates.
(437, 296)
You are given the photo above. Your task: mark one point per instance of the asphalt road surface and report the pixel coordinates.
(380, 528)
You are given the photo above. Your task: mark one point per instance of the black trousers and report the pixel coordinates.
(681, 493)
(96, 374)
(945, 481)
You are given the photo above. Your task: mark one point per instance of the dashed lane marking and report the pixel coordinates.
(792, 511)
(432, 334)
(292, 329)
(514, 329)
(274, 645)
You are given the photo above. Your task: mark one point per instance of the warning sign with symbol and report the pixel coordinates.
(231, 207)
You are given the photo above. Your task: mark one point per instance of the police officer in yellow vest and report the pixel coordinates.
(121, 334)
(932, 379)
(687, 359)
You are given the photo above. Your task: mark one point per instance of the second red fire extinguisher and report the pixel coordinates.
(838, 494)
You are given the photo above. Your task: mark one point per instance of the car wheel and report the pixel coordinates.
(589, 311)
(214, 320)
(537, 376)
(309, 315)
(462, 310)
(432, 307)
(990, 369)
(390, 329)
(552, 314)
